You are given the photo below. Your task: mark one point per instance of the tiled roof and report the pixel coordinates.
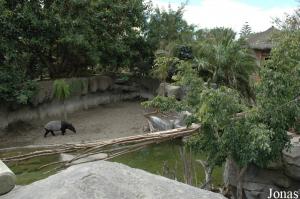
(262, 40)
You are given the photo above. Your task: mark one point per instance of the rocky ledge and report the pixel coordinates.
(282, 175)
(107, 180)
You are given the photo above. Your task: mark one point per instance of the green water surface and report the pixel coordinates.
(165, 159)
(161, 159)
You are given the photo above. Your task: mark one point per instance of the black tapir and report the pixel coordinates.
(52, 126)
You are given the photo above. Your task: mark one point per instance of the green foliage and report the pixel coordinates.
(14, 87)
(188, 78)
(285, 55)
(216, 109)
(61, 89)
(257, 131)
(161, 67)
(255, 141)
(278, 90)
(218, 106)
(120, 28)
(252, 143)
(279, 102)
(291, 21)
(164, 104)
(167, 27)
(68, 38)
(260, 135)
(225, 61)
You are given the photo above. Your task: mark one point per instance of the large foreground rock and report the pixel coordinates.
(107, 180)
(7, 179)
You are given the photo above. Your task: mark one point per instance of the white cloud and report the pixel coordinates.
(229, 13)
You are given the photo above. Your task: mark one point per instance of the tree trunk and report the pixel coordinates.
(240, 182)
(208, 169)
(187, 165)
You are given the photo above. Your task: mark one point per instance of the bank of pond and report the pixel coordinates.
(170, 159)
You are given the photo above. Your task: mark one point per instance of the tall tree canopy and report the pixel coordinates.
(167, 27)
(69, 37)
(246, 30)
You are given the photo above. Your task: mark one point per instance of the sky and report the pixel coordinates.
(259, 14)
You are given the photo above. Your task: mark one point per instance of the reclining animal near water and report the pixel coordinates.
(52, 126)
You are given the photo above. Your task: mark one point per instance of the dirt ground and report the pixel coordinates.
(103, 122)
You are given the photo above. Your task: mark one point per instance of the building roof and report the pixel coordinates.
(262, 40)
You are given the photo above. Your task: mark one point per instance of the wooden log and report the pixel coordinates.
(99, 146)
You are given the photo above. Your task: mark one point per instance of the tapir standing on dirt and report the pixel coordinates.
(52, 126)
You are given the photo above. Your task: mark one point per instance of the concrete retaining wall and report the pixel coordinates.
(85, 93)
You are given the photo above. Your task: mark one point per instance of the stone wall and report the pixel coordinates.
(283, 175)
(85, 93)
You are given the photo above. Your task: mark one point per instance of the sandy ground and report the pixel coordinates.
(103, 122)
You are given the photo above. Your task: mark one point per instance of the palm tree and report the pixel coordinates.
(223, 60)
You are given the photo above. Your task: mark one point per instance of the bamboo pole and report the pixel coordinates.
(113, 147)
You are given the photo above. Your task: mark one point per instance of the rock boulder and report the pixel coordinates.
(7, 179)
(108, 180)
(171, 91)
(159, 122)
(283, 175)
(291, 159)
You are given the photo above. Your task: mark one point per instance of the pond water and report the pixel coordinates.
(29, 171)
(169, 159)
(166, 159)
